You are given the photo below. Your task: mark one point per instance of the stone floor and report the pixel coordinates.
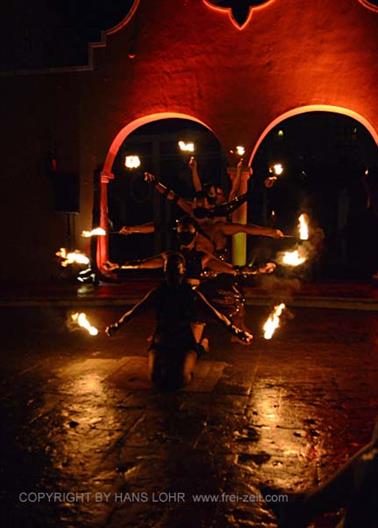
(79, 416)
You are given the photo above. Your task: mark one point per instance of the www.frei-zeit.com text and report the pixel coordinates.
(145, 497)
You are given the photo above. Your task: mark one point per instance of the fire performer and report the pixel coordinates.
(213, 231)
(215, 193)
(174, 350)
(222, 290)
(200, 208)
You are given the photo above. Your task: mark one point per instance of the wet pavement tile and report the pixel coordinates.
(285, 413)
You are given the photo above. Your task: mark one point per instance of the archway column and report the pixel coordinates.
(102, 253)
(240, 216)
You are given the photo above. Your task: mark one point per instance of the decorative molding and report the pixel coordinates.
(239, 11)
(105, 177)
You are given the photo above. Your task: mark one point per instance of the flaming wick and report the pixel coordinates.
(273, 321)
(303, 221)
(186, 147)
(293, 258)
(81, 320)
(73, 257)
(132, 162)
(97, 231)
(277, 169)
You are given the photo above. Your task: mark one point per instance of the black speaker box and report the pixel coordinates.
(66, 192)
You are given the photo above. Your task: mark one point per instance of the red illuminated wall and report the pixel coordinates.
(189, 59)
(182, 57)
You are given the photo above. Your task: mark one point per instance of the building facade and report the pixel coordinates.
(239, 72)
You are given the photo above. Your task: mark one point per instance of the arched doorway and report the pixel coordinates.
(329, 159)
(128, 201)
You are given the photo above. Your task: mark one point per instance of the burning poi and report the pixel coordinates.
(72, 257)
(81, 320)
(97, 231)
(273, 321)
(293, 258)
(132, 162)
(186, 147)
(303, 229)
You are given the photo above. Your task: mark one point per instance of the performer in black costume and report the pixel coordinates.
(174, 349)
(222, 290)
(222, 287)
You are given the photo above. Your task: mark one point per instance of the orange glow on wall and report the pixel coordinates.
(228, 10)
(192, 64)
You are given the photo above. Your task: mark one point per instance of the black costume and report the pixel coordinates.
(175, 304)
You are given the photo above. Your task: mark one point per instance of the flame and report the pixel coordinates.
(186, 147)
(97, 231)
(240, 151)
(132, 162)
(293, 258)
(81, 320)
(273, 321)
(277, 169)
(303, 222)
(72, 257)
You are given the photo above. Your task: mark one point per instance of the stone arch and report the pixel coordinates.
(137, 123)
(369, 5)
(370, 137)
(102, 252)
(313, 108)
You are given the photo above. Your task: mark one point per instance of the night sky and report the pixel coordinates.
(52, 33)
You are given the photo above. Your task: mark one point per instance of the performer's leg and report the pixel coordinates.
(155, 366)
(188, 366)
(197, 329)
(169, 371)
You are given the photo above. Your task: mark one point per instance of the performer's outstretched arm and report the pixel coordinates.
(249, 229)
(169, 193)
(243, 335)
(221, 210)
(130, 314)
(195, 176)
(235, 187)
(215, 264)
(155, 262)
(143, 229)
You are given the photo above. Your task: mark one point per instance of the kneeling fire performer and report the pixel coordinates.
(174, 350)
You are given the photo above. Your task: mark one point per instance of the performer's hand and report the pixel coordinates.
(270, 181)
(244, 271)
(111, 329)
(150, 178)
(243, 336)
(171, 195)
(277, 233)
(125, 230)
(192, 162)
(240, 163)
(268, 267)
(110, 266)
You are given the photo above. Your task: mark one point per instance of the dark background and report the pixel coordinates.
(45, 33)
